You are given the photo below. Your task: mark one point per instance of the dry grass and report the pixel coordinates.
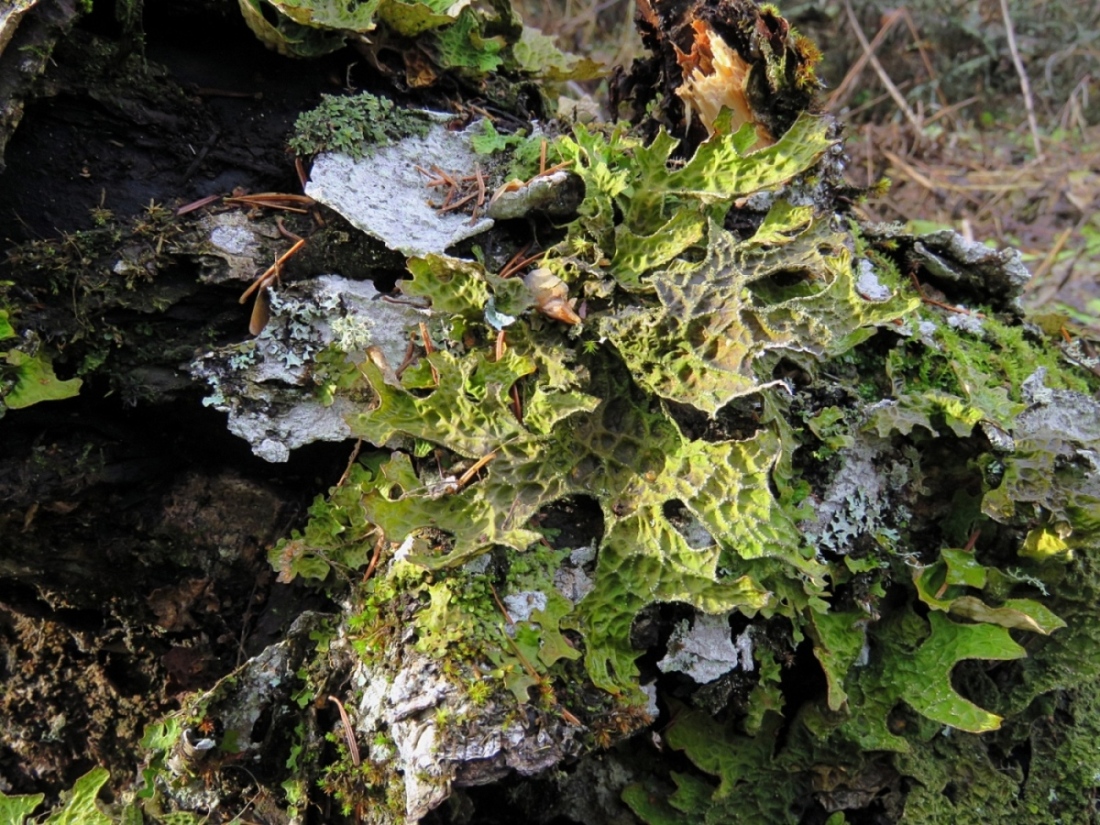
(985, 185)
(1008, 179)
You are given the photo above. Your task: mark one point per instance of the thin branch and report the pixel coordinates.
(897, 96)
(375, 556)
(500, 604)
(481, 462)
(1025, 84)
(841, 93)
(351, 462)
(272, 270)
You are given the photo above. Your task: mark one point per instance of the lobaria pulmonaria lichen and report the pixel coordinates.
(753, 423)
(776, 426)
(769, 422)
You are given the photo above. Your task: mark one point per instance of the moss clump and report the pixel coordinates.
(107, 275)
(354, 124)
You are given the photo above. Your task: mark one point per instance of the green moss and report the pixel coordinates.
(987, 370)
(461, 621)
(353, 124)
(106, 276)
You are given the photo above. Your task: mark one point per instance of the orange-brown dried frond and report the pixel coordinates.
(291, 552)
(701, 56)
(714, 79)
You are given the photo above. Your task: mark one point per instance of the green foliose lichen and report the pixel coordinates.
(772, 423)
(32, 380)
(472, 41)
(78, 804)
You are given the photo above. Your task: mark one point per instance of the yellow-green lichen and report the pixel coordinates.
(773, 424)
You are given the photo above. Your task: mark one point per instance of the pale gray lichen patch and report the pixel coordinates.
(704, 651)
(864, 498)
(260, 687)
(693, 530)
(414, 704)
(1000, 440)
(267, 679)
(950, 256)
(234, 240)
(234, 248)
(273, 436)
(267, 385)
(385, 196)
(556, 193)
(965, 322)
(652, 709)
(1068, 415)
(1079, 352)
(867, 283)
(522, 604)
(572, 580)
(997, 275)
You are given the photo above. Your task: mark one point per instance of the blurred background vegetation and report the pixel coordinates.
(984, 115)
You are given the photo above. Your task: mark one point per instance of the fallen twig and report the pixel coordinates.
(260, 311)
(375, 556)
(429, 348)
(500, 604)
(510, 265)
(286, 233)
(274, 200)
(406, 362)
(919, 43)
(514, 266)
(933, 302)
(349, 734)
(199, 204)
(1051, 257)
(273, 269)
(480, 195)
(1025, 84)
(351, 462)
(896, 95)
(464, 479)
